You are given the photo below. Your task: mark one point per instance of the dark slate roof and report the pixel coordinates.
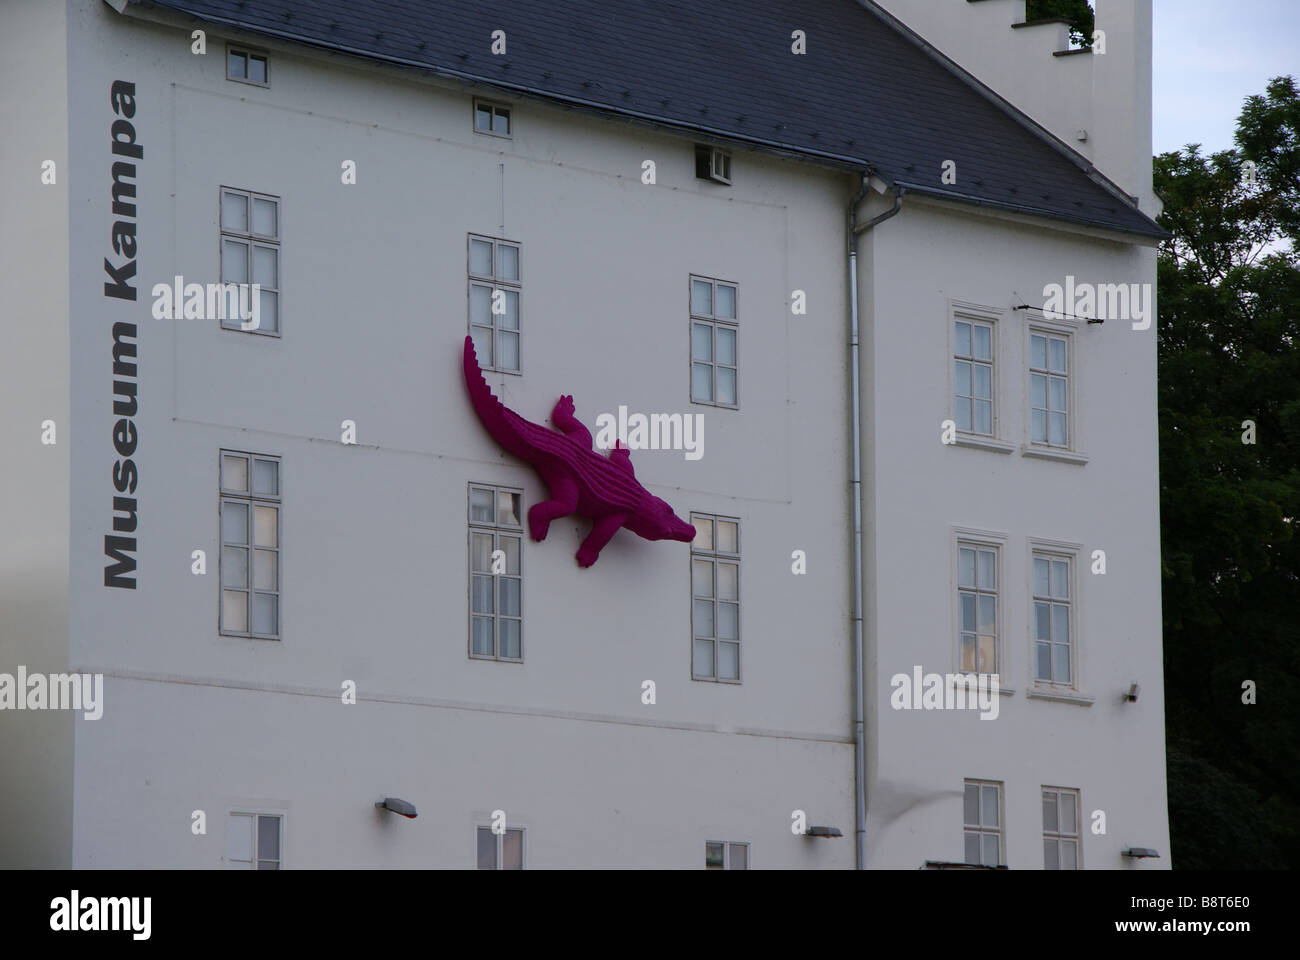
(865, 94)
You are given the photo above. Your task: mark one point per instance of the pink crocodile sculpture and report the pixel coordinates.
(580, 480)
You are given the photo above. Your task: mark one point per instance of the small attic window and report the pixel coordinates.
(491, 118)
(713, 163)
(247, 66)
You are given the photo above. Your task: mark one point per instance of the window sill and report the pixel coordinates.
(1060, 696)
(984, 443)
(1059, 454)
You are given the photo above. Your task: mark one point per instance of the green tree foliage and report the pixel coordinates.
(1229, 285)
(1078, 12)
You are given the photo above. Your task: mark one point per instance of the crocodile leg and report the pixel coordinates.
(601, 532)
(564, 500)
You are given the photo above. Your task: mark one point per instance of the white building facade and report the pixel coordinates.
(276, 545)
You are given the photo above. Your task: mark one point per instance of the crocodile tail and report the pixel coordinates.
(505, 426)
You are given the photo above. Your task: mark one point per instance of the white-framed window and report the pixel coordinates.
(713, 163)
(491, 118)
(250, 253)
(982, 815)
(1053, 617)
(250, 545)
(714, 334)
(496, 620)
(495, 288)
(1049, 388)
(254, 841)
(501, 851)
(247, 66)
(715, 598)
(977, 605)
(1061, 847)
(974, 350)
(725, 855)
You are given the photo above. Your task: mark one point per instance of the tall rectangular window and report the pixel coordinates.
(495, 285)
(253, 841)
(714, 332)
(715, 598)
(250, 253)
(983, 822)
(1060, 828)
(501, 851)
(719, 855)
(250, 545)
(495, 573)
(973, 376)
(1049, 389)
(1052, 618)
(977, 604)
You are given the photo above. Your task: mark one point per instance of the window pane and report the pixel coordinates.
(1038, 426)
(1056, 431)
(983, 416)
(1040, 577)
(972, 848)
(508, 508)
(1058, 393)
(234, 212)
(482, 344)
(704, 618)
(961, 377)
(480, 504)
(968, 663)
(988, 603)
(726, 305)
(1050, 821)
(512, 850)
(728, 661)
(1061, 662)
(991, 844)
(481, 594)
(1038, 391)
(510, 546)
(1043, 661)
(266, 613)
(266, 266)
(965, 420)
(703, 532)
(266, 477)
(239, 837)
(481, 636)
(1069, 855)
(510, 639)
(269, 318)
(739, 854)
(1042, 624)
(713, 856)
(988, 570)
(701, 342)
(726, 385)
(1057, 355)
(509, 359)
(234, 567)
(971, 808)
(480, 552)
(1050, 861)
(1067, 813)
(268, 838)
(234, 523)
(702, 382)
(234, 611)
(264, 214)
(510, 319)
(508, 263)
(483, 118)
(509, 596)
(480, 304)
(1060, 579)
(257, 69)
(487, 849)
(1038, 352)
(500, 121)
(234, 474)
(961, 332)
(266, 570)
(702, 665)
(702, 578)
(726, 346)
(728, 621)
(966, 567)
(967, 618)
(983, 381)
(236, 66)
(265, 526)
(728, 536)
(728, 581)
(982, 348)
(701, 298)
(234, 261)
(989, 805)
(988, 654)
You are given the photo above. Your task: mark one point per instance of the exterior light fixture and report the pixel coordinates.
(1132, 695)
(1137, 853)
(397, 806)
(823, 832)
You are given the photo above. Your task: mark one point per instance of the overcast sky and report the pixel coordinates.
(1212, 54)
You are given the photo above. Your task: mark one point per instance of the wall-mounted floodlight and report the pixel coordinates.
(397, 806)
(1132, 695)
(1138, 853)
(823, 832)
